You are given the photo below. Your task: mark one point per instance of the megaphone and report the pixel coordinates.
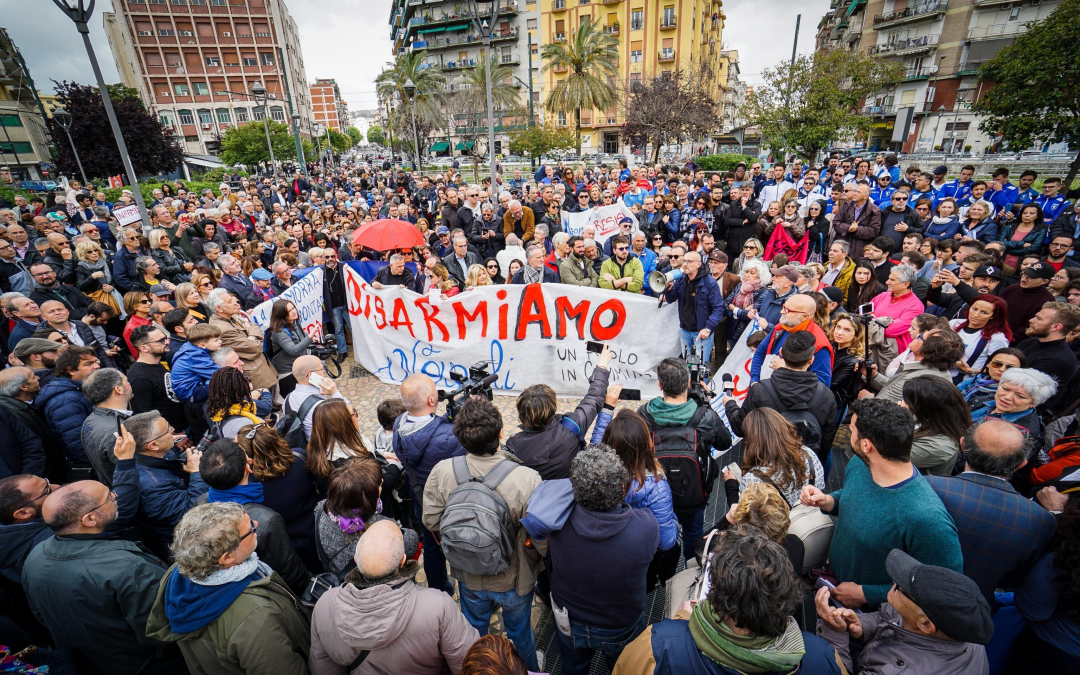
(658, 280)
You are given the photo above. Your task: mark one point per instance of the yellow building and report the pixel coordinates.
(654, 36)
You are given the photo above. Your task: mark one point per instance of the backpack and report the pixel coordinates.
(476, 530)
(291, 424)
(689, 473)
(799, 415)
(216, 427)
(811, 526)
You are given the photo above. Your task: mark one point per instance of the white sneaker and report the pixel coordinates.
(540, 660)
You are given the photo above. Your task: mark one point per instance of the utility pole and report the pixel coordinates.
(295, 118)
(791, 68)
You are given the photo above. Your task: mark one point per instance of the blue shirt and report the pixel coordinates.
(929, 194)
(1004, 198)
(1052, 207)
(956, 189)
(882, 196)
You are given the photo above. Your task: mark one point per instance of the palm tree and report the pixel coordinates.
(429, 83)
(471, 98)
(590, 56)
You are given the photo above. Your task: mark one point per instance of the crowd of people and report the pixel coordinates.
(184, 490)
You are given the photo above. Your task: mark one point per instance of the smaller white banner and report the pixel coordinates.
(127, 215)
(307, 295)
(605, 219)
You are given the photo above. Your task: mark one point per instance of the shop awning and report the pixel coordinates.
(439, 147)
(464, 146)
(432, 30)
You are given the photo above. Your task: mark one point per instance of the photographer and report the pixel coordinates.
(549, 441)
(791, 389)
(673, 419)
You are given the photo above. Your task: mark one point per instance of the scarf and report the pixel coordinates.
(354, 523)
(191, 604)
(746, 292)
(240, 494)
(243, 409)
(744, 653)
(532, 275)
(821, 340)
(99, 266)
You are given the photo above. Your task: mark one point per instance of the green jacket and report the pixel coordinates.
(571, 272)
(265, 630)
(632, 268)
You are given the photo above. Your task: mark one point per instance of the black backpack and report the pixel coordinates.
(690, 470)
(291, 424)
(799, 415)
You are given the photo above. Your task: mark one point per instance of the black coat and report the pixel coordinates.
(21, 450)
(72, 298)
(792, 387)
(550, 277)
(736, 230)
(454, 268)
(55, 468)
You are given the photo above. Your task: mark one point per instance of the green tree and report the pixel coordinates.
(247, 144)
(118, 92)
(466, 107)
(355, 135)
(1035, 98)
(427, 99)
(375, 135)
(807, 105)
(589, 58)
(536, 141)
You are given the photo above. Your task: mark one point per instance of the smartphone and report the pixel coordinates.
(630, 395)
(315, 379)
(594, 347)
(866, 308)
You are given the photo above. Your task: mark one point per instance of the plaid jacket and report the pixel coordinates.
(1000, 531)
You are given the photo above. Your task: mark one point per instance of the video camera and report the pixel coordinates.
(325, 350)
(477, 383)
(700, 390)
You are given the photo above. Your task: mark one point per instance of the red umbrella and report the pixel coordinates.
(387, 235)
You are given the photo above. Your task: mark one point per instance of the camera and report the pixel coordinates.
(699, 391)
(477, 383)
(326, 351)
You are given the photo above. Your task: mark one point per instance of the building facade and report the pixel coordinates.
(24, 137)
(444, 31)
(329, 108)
(941, 44)
(655, 36)
(185, 56)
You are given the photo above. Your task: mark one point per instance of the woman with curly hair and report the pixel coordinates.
(230, 402)
(1050, 601)
(493, 655)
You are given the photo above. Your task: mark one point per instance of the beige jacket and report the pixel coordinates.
(246, 339)
(515, 489)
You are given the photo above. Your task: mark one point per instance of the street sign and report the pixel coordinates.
(127, 215)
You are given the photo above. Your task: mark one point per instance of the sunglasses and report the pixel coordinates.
(46, 493)
(1002, 364)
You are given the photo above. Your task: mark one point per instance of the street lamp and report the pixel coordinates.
(484, 14)
(258, 92)
(410, 92)
(299, 146)
(63, 118)
(79, 12)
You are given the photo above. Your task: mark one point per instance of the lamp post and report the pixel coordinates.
(299, 146)
(410, 92)
(63, 118)
(486, 26)
(329, 147)
(79, 12)
(258, 92)
(318, 134)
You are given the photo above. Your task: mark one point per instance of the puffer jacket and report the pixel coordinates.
(192, 369)
(166, 493)
(421, 446)
(407, 629)
(655, 495)
(942, 228)
(66, 408)
(551, 450)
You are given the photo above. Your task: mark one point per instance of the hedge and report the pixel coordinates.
(8, 192)
(723, 162)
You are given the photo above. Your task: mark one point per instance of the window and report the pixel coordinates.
(669, 16)
(252, 61)
(277, 114)
(201, 3)
(205, 117)
(241, 114)
(185, 117)
(166, 30)
(165, 121)
(201, 89)
(144, 28)
(219, 3)
(1014, 14)
(223, 116)
(205, 29)
(562, 119)
(181, 90)
(258, 114)
(10, 121)
(152, 58)
(530, 24)
(635, 81)
(179, 2)
(637, 20)
(635, 51)
(267, 58)
(213, 61)
(157, 2)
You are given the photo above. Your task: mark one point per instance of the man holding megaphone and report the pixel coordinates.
(701, 307)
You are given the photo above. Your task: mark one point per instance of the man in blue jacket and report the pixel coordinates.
(701, 307)
(421, 440)
(168, 487)
(1002, 194)
(772, 302)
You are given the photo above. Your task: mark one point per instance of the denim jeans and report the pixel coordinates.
(576, 651)
(477, 606)
(693, 526)
(690, 339)
(341, 319)
(434, 560)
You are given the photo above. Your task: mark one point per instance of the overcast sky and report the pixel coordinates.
(350, 41)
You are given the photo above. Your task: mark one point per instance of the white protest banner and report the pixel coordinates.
(605, 219)
(529, 334)
(126, 215)
(737, 364)
(307, 295)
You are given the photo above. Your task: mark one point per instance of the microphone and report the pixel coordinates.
(489, 380)
(729, 383)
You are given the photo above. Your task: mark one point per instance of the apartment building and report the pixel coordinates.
(444, 31)
(655, 36)
(329, 108)
(941, 44)
(24, 138)
(185, 56)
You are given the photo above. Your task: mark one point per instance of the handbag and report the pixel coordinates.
(781, 241)
(688, 584)
(101, 295)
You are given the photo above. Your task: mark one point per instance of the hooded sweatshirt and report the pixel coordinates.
(671, 414)
(612, 594)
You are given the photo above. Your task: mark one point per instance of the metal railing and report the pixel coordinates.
(998, 29)
(925, 8)
(666, 55)
(903, 45)
(669, 21)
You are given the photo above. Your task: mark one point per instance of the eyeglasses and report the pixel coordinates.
(785, 310)
(112, 498)
(46, 493)
(899, 199)
(161, 341)
(904, 593)
(206, 283)
(254, 530)
(674, 257)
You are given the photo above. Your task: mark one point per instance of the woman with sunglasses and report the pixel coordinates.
(700, 209)
(818, 229)
(492, 267)
(751, 253)
(656, 242)
(978, 389)
(137, 305)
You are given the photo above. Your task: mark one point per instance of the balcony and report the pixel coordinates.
(839, 29)
(613, 29)
(921, 12)
(459, 65)
(459, 17)
(558, 6)
(561, 68)
(909, 47)
(665, 55)
(992, 3)
(919, 73)
(451, 40)
(997, 30)
(558, 37)
(510, 60)
(970, 67)
(853, 33)
(612, 2)
(669, 22)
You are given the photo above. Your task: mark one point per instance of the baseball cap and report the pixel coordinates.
(948, 598)
(788, 272)
(988, 271)
(158, 289)
(941, 170)
(718, 255)
(1039, 271)
(259, 274)
(442, 229)
(31, 345)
